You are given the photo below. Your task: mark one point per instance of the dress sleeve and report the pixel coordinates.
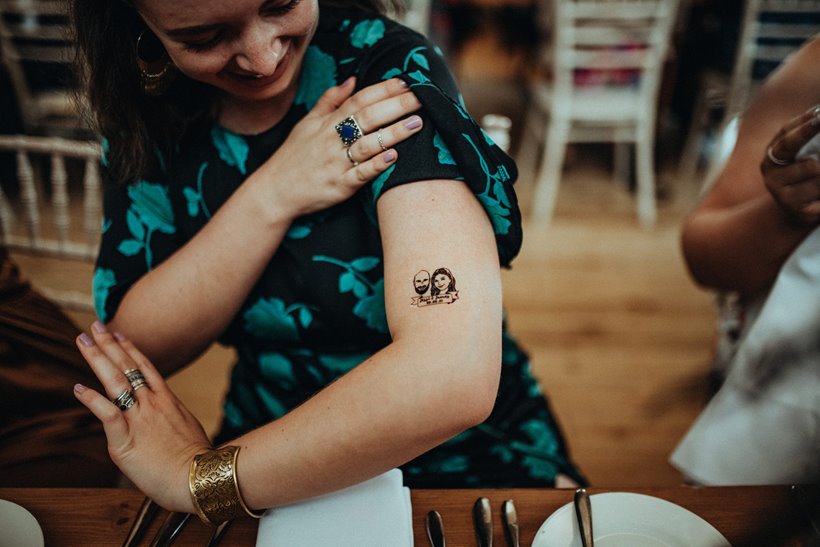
(138, 233)
(451, 145)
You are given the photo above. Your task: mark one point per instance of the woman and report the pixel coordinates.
(443, 282)
(249, 221)
(755, 235)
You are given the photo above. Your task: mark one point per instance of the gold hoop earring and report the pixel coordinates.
(156, 70)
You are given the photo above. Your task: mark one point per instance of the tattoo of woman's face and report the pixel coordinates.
(441, 285)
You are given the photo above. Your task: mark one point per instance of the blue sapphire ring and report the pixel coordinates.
(349, 131)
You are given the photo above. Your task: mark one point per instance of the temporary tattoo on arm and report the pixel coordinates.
(439, 288)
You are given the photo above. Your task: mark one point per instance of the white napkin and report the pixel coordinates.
(374, 513)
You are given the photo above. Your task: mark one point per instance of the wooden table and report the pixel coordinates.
(766, 515)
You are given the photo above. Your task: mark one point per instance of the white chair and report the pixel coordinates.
(769, 32)
(35, 40)
(416, 16)
(624, 44)
(36, 214)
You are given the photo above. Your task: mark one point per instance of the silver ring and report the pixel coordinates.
(125, 400)
(347, 153)
(135, 378)
(349, 131)
(774, 159)
(379, 136)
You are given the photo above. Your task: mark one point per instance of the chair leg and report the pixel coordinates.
(527, 156)
(546, 184)
(621, 164)
(645, 192)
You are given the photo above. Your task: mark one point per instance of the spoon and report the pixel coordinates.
(510, 518)
(583, 512)
(483, 520)
(435, 529)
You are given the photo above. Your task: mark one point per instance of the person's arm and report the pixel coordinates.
(438, 377)
(738, 237)
(176, 310)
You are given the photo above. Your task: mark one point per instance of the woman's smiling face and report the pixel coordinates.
(442, 282)
(251, 50)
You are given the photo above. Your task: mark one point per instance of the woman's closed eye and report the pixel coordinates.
(278, 7)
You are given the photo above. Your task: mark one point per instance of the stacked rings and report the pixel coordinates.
(135, 378)
(125, 400)
(349, 131)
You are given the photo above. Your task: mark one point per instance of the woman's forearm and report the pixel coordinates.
(177, 310)
(740, 248)
(405, 400)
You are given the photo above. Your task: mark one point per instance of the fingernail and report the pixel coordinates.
(86, 340)
(348, 81)
(402, 83)
(98, 327)
(79, 388)
(389, 156)
(816, 116)
(119, 337)
(413, 123)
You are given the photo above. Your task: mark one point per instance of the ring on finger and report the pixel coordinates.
(125, 400)
(350, 157)
(774, 159)
(349, 131)
(379, 136)
(135, 378)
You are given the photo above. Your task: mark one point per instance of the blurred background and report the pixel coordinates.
(614, 114)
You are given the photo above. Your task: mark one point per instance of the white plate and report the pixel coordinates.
(621, 519)
(18, 527)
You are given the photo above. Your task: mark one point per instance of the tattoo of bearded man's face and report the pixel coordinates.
(421, 282)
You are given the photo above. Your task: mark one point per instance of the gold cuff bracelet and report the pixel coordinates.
(214, 488)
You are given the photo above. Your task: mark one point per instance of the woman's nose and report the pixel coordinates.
(261, 51)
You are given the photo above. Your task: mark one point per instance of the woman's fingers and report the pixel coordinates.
(370, 169)
(385, 111)
(112, 418)
(155, 380)
(382, 139)
(334, 97)
(97, 351)
(375, 94)
(792, 137)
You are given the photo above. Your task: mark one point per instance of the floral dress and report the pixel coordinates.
(318, 309)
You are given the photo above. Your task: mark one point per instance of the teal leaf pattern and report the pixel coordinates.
(378, 183)
(298, 231)
(194, 196)
(318, 75)
(150, 211)
(370, 305)
(105, 147)
(270, 319)
(276, 367)
(392, 73)
(445, 157)
(101, 283)
(341, 364)
(232, 148)
(494, 197)
(367, 33)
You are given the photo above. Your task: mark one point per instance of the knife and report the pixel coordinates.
(509, 517)
(170, 529)
(435, 529)
(219, 533)
(583, 512)
(145, 515)
(483, 521)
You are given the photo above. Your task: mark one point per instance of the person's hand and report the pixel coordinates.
(154, 441)
(794, 183)
(312, 170)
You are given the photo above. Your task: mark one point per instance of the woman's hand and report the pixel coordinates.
(312, 170)
(154, 441)
(794, 183)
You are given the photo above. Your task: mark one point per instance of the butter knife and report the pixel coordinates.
(145, 515)
(483, 521)
(435, 529)
(583, 512)
(510, 518)
(170, 529)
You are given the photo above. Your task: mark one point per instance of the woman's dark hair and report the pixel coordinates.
(450, 288)
(138, 125)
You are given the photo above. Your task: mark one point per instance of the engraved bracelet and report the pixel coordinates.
(214, 488)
